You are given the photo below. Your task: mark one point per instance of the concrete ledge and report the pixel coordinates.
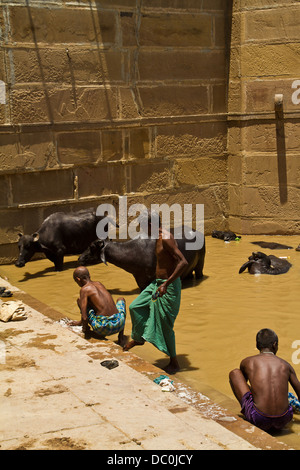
(56, 395)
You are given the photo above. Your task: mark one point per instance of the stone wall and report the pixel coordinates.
(264, 140)
(160, 100)
(107, 98)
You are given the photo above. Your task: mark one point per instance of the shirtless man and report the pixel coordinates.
(265, 403)
(98, 308)
(153, 319)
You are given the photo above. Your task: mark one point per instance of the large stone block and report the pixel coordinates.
(263, 226)
(101, 180)
(76, 148)
(262, 4)
(267, 60)
(265, 202)
(259, 138)
(201, 171)
(181, 65)
(50, 104)
(191, 140)
(129, 34)
(129, 104)
(37, 24)
(271, 24)
(234, 139)
(112, 145)
(140, 143)
(260, 94)
(72, 65)
(173, 100)
(218, 5)
(170, 30)
(37, 151)
(264, 170)
(14, 221)
(30, 151)
(214, 198)
(264, 137)
(235, 169)
(4, 191)
(121, 4)
(167, 5)
(41, 186)
(149, 177)
(218, 98)
(9, 150)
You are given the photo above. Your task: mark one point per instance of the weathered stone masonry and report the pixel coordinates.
(160, 100)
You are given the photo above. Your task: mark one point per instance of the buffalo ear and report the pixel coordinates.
(102, 257)
(245, 266)
(20, 235)
(35, 237)
(101, 246)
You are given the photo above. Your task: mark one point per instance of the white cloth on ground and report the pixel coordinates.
(12, 311)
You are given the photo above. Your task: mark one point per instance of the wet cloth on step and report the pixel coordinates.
(261, 420)
(106, 326)
(154, 321)
(12, 311)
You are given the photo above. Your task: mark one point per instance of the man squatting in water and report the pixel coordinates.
(265, 402)
(98, 308)
(153, 319)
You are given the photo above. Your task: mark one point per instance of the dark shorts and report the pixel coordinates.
(262, 421)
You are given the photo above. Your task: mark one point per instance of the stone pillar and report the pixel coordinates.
(263, 137)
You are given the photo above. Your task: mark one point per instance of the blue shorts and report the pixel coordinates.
(106, 326)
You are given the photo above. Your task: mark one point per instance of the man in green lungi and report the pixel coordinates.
(154, 311)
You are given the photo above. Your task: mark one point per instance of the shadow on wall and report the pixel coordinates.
(97, 26)
(281, 152)
(47, 99)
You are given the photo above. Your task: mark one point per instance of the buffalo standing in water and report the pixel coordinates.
(60, 234)
(137, 257)
(260, 263)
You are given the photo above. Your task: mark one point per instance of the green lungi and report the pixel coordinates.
(154, 321)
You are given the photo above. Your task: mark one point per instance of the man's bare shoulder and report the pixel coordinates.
(249, 359)
(90, 287)
(259, 358)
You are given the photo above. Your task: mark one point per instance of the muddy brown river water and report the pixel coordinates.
(218, 319)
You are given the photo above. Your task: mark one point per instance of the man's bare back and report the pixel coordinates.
(269, 377)
(170, 262)
(98, 298)
(93, 295)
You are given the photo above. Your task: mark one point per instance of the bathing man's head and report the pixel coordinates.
(267, 339)
(81, 275)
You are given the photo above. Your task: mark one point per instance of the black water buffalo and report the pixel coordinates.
(226, 236)
(138, 258)
(260, 263)
(60, 234)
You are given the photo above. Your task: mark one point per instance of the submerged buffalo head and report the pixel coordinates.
(28, 245)
(94, 254)
(258, 263)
